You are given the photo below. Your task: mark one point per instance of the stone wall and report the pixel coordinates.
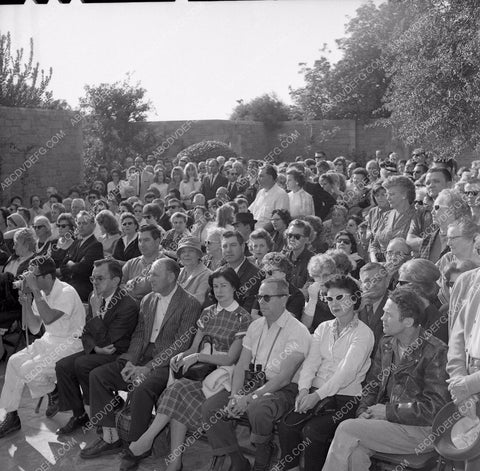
(293, 138)
(38, 148)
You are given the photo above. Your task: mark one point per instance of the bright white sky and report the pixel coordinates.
(194, 59)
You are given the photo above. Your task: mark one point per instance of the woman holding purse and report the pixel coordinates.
(180, 404)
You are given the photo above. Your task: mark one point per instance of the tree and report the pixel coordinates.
(109, 111)
(22, 84)
(205, 150)
(266, 108)
(434, 71)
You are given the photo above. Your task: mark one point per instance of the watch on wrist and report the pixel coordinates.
(254, 396)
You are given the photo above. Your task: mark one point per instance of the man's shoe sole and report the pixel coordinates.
(113, 451)
(11, 431)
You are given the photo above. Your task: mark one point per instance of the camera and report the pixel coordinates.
(21, 286)
(255, 378)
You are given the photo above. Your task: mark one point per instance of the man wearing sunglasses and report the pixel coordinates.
(405, 389)
(278, 343)
(297, 236)
(57, 306)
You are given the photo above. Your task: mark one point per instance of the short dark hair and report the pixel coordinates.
(229, 274)
(348, 284)
(284, 215)
(45, 265)
(154, 210)
(353, 242)
(114, 267)
(153, 229)
(281, 261)
(270, 170)
(409, 304)
(307, 228)
(228, 234)
(447, 175)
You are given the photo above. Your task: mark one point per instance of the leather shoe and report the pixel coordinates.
(53, 405)
(10, 424)
(73, 424)
(130, 461)
(100, 448)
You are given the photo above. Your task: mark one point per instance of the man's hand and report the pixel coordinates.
(31, 281)
(458, 389)
(108, 350)
(127, 371)
(25, 299)
(237, 405)
(308, 402)
(313, 291)
(378, 412)
(300, 396)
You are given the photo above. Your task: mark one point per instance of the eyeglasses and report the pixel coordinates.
(295, 236)
(471, 193)
(344, 241)
(62, 226)
(392, 253)
(128, 223)
(37, 228)
(97, 278)
(338, 297)
(268, 297)
(420, 203)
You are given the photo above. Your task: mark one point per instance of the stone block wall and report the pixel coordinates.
(38, 148)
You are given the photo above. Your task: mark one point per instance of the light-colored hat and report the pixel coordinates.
(190, 242)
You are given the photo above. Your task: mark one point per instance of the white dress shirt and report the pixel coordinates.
(301, 203)
(162, 307)
(265, 202)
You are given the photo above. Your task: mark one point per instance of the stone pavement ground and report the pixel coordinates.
(36, 447)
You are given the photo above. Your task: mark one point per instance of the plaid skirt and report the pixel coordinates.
(183, 401)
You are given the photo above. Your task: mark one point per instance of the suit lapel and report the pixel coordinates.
(109, 312)
(172, 306)
(152, 312)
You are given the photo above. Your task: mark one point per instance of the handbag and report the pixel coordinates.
(325, 406)
(200, 370)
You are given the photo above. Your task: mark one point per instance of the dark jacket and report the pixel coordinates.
(250, 279)
(209, 190)
(322, 200)
(374, 321)
(120, 252)
(116, 327)
(83, 257)
(419, 382)
(233, 190)
(176, 333)
(295, 302)
(300, 272)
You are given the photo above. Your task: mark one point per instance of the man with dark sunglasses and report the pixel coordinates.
(298, 235)
(276, 343)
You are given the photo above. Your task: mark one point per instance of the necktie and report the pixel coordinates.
(101, 313)
(369, 312)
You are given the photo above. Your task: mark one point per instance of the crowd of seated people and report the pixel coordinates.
(299, 289)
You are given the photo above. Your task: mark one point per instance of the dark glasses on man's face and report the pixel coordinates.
(420, 203)
(268, 297)
(471, 193)
(294, 236)
(338, 297)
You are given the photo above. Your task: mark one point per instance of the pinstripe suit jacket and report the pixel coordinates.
(176, 333)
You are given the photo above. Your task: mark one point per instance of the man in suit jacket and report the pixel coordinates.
(166, 327)
(213, 180)
(323, 201)
(233, 251)
(111, 320)
(77, 265)
(374, 279)
(233, 188)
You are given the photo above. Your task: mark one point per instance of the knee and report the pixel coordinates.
(347, 427)
(79, 366)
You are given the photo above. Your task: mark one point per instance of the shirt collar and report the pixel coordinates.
(238, 268)
(232, 307)
(351, 325)
(169, 296)
(281, 322)
(108, 299)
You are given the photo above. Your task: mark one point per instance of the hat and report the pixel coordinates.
(190, 242)
(17, 220)
(457, 437)
(245, 218)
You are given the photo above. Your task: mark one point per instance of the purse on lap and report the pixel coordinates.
(200, 370)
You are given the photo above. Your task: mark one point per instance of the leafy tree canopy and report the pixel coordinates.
(266, 108)
(23, 84)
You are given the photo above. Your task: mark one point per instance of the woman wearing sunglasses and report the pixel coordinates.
(472, 192)
(127, 246)
(346, 242)
(43, 231)
(66, 228)
(333, 371)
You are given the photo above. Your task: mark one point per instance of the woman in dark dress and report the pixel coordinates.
(127, 246)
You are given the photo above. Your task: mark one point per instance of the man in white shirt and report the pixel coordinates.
(277, 343)
(59, 308)
(270, 197)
